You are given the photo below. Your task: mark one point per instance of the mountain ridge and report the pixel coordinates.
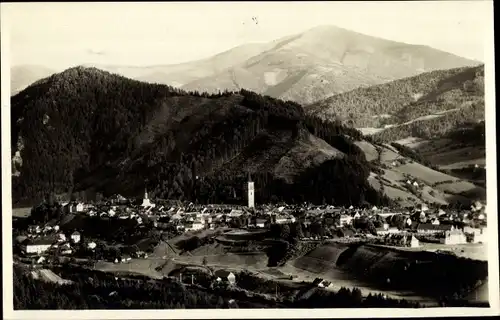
(308, 66)
(87, 130)
(120, 133)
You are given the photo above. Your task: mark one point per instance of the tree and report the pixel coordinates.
(285, 232)
(298, 231)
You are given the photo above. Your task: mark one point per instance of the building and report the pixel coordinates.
(74, 207)
(260, 223)
(414, 243)
(37, 246)
(146, 203)
(479, 234)
(325, 284)
(430, 228)
(225, 277)
(195, 225)
(454, 236)
(251, 194)
(75, 236)
(388, 230)
(61, 237)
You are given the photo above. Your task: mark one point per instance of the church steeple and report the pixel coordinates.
(146, 202)
(251, 192)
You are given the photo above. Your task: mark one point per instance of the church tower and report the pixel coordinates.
(251, 193)
(146, 202)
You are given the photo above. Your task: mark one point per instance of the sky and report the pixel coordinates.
(61, 35)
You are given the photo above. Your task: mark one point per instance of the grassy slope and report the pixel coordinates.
(434, 186)
(421, 112)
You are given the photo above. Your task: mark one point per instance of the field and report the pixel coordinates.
(446, 154)
(439, 187)
(369, 131)
(369, 149)
(423, 173)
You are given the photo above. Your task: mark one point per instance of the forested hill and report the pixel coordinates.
(89, 130)
(433, 94)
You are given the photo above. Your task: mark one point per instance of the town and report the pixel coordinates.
(150, 222)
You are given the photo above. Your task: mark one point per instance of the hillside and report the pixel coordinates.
(426, 273)
(89, 130)
(24, 75)
(304, 67)
(427, 113)
(312, 65)
(402, 102)
(180, 74)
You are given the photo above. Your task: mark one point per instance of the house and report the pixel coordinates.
(176, 216)
(125, 259)
(36, 246)
(260, 223)
(225, 276)
(198, 225)
(75, 236)
(61, 237)
(235, 213)
(195, 225)
(34, 229)
(284, 219)
(480, 234)
(317, 281)
(66, 251)
(75, 207)
(453, 237)
(414, 243)
(325, 284)
(409, 222)
(432, 228)
(389, 230)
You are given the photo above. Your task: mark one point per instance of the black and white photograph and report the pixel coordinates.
(291, 159)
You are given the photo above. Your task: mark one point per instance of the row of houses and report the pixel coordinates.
(40, 244)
